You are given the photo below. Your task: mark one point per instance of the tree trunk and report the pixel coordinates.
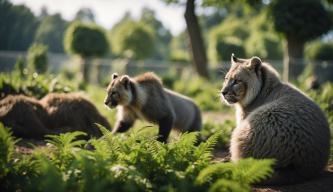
(196, 40)
(293, 62)
(85, 69)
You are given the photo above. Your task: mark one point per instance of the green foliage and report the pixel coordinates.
(263, 40)
(17, 26)
(7, 143)
(324, 98)
(37, 58)
(127, 162)
(204, 93)
(133, 40)
(210, 128)
(86, 40)
(51, 32)
(291, 16)
(227, 38)
(30, 84)
(162, 35)
(179, 49)
(225, 176)
(19, 66)
(320, 51)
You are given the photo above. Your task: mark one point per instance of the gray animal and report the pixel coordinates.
(144, 97)
(275, 120)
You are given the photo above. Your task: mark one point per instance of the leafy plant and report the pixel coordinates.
(126, 162)
(30, 84)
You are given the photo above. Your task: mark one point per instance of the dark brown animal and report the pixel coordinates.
(55, 113)
(72, 112)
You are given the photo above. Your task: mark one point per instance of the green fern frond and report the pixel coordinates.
(66, 139)
(223, 185)
(252, 171)
(206, 148)
(103, 129)
(7, 147)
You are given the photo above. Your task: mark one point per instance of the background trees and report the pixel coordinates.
(87, 41)
(133, 40)
(299, 21)
(37, 58)
(17, 26)
(51, 32)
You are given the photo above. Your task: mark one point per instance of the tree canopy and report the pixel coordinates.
(86, 40)
(17, 26)
(302, 19)
(133, 39)
(51, 32)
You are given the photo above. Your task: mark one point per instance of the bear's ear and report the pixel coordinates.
(254, 63)
(125, 79)
(234, 59)
(114, 76)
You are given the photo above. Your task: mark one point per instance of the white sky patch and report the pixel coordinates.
(108, 12)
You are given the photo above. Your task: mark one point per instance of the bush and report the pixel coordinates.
(37, 58)
(322, 51)
(133, 40)
(203, 92)
(31, 85)
(125, 162)
(324, 98)
(210, 128)
(86, 40)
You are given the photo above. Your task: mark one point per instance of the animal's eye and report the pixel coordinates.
(226, 78)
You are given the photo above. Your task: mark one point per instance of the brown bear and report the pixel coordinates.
(55, 113)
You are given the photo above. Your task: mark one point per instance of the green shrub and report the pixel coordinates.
(203, 92)
(320, 51)
(31, 85)
(210, 128)
(37, 58)
(127, 162)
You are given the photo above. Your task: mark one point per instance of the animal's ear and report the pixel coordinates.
(114, 76)
(254, 63)
(234, 59)
(125, 79)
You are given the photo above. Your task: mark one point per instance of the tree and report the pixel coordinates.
(299, 21)
(37, 58)
(87, 41)
(17, 26)
(85, 15)
(162, 35)
(133, 39)
(197, 44)
(51, 32)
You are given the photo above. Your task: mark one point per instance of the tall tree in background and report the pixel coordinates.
(162, 34)
(87, 41)
(133, 40)
(196, 40)
(85, 15)
(299, 21)
(51, 32)
(17, 26)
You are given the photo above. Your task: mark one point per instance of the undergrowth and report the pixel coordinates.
(124, 162)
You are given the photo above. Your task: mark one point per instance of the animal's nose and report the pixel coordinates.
(224, 92)
(106, 101)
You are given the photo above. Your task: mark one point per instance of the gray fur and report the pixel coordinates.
(158, 105)
(282, 123)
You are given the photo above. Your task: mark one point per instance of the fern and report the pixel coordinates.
(7, 143)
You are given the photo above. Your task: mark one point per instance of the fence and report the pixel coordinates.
(106, 66)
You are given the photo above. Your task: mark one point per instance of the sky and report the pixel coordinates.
(108, 12)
